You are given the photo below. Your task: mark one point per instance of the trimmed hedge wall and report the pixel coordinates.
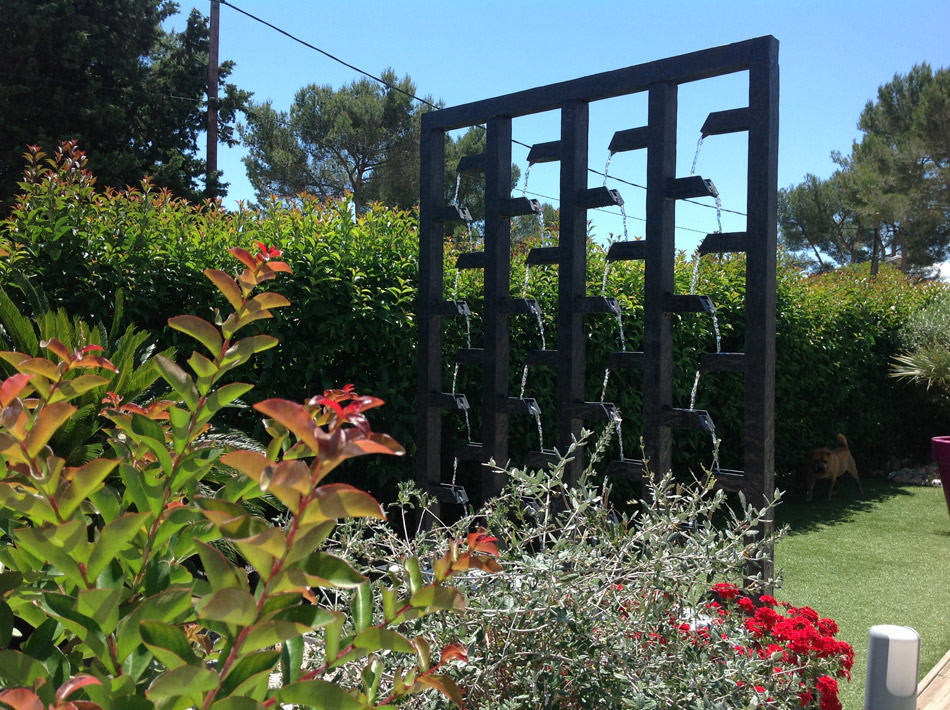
(352, 317)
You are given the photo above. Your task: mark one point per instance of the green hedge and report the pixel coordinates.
(352, 318)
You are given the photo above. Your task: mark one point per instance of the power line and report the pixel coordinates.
(327, 54)
(434, 106)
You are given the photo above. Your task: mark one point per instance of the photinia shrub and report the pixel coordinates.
(147, 579)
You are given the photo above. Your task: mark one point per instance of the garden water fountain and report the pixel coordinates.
(575, 307)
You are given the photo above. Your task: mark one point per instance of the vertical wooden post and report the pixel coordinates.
(572, 278)
(211, 178)
(497, 291)
(432, 186)
(659, 277)
(759, 379)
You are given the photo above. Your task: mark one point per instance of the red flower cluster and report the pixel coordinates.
(794, 638)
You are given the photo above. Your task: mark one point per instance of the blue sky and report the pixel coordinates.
(832, 56)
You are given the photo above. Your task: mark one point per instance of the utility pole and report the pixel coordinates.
(211, 179)
(876, 245)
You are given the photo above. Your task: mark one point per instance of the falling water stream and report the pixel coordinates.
(455, 371)
(699, 147)
(708, 422)
(458, 183)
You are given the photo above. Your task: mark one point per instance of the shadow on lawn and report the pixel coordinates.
(802, 517)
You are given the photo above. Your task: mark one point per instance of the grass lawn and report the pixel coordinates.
(880, 558)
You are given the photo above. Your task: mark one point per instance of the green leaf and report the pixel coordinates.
(237, 703)
(363, 606)
(114, 536)
(63, 546)
(339, 500)
(377, 639)
(262, 549)
(180, 381)
(241, 351)
(223, 396)
(334, 632)
(106, 501)
(326, 570)
(70, 389)
(40, 643)
(230, 605)
(199, 329)
(191, 682)
(148, 428)
(28, 502)
(83, 481)
(286, 624)
(318, 695)
(221, 573)
(100, 605)
(226, 285)
(48, 420)
(168, 643)
(18, 669)
(291, 660)
(62, 607)
(6, 624)
(436, 597)
(170, 606)
(135, 489)
(247, 668)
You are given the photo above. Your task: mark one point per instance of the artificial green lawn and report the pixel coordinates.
(880, 558)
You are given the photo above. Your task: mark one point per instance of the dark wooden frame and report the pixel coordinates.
(759, 57)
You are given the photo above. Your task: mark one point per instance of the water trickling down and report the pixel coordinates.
(692, 282)
(618, 425)
(455, 371)
(524, 380)
(603, 286)
(603, 390)
(718, 214)
(699, 146)
(610, 156)
(458, 183)
(527, 174)
(537, 418)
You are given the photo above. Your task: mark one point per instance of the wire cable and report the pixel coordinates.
(428, 103)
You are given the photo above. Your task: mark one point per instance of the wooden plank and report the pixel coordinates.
(933, 692)
(685, 68)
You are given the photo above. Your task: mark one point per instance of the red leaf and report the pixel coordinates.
(444, 685)
(481, 541)
(293, 416)
(12, 386)
(74, 684)
(244, 256)
(454, 652)
(57, 347)
(90, 361)
(21, 699)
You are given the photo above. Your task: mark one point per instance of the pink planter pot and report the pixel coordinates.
(940, 445)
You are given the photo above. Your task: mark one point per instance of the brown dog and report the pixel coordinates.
(831, 464)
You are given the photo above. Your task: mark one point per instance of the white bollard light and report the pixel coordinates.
(893, 665)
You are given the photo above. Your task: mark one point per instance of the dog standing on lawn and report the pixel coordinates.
(831, 464)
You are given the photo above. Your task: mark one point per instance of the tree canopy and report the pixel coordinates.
(107, 75)
(895, 183)
(362, 138)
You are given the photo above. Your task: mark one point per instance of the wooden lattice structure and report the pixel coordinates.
(660, 79)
